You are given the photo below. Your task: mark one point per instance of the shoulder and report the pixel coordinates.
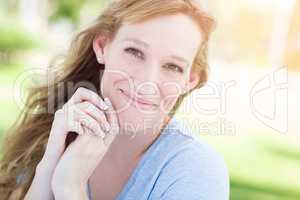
(189, 148)
(193, 170)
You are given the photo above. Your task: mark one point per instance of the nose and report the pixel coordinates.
(146, 88)
(146, 82)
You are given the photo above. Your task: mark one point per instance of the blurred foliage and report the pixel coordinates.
(14, 38)
(9, 111)
(67, 9)
(10, 6)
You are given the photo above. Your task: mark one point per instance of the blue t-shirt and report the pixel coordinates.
(178, 165)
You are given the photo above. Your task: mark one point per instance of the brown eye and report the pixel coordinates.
(175, 68)
(134, 52)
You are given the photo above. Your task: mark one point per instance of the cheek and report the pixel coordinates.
(103, 85)
(171, 91)
(112, 77)
(115, 69)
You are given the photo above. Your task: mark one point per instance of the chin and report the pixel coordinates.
(133, 118)
(131, 121)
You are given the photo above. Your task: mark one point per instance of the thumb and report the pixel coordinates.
(113, 120)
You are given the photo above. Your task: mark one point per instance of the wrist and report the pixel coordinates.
(45, 167)
(70, 192)
(51, 158)
(40, 187)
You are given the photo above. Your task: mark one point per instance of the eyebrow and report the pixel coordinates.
(144, 44)
(180, 59)
(137, 42)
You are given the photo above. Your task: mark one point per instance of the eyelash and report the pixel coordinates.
(134, 52)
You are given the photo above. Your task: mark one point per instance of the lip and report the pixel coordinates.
(137, 100)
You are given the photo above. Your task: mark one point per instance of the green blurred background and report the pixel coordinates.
(248, 111)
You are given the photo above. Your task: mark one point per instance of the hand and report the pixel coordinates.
(82, 156)
(82, 108)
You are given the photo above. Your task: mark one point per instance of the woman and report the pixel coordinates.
(112, 134)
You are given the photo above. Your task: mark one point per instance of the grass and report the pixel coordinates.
(246, 191)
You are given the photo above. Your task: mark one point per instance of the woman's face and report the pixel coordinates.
(147, 66)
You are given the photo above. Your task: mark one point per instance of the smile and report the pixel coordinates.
(141, 103)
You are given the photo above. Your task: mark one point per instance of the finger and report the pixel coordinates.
(88, 145)
(63, 122)
(86, 120)
(75, 126)
(112, 118)
(83, 94)
(96, 113)
(87, 131)
(92, 128)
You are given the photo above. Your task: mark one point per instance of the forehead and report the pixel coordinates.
(176, 33)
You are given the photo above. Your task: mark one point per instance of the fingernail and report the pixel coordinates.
(107, 101)
(105, 106)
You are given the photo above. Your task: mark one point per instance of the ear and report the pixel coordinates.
(192, 82)
(99, 43)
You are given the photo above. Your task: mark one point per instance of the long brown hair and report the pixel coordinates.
(26, 140)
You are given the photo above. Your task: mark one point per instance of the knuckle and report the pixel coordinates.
(66, 106)
(78, 93)
(95, 125)
(89, 123)
(93, 95)
(58, 113)
(87, 105)
(75, 109)
(83, 119)
(102, 116)
(80, 90)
